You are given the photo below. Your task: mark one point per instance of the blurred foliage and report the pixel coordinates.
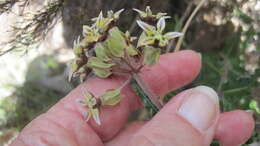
(27, 102)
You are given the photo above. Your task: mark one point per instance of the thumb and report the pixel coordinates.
(189, 119)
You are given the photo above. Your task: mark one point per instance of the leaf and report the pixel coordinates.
(101, 53)
(95, 62)
(111, 97)
(102, 73)
(151, 55)
(116, 43)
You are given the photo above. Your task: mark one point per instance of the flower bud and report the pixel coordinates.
(111, 97)
(151, 55)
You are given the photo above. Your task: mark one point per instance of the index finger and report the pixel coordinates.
(173, 71)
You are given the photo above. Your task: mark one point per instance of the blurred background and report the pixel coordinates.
(36, 38)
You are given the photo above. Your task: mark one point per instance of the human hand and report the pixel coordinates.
(191, 118)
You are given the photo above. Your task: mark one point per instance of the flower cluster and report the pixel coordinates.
(105, 50)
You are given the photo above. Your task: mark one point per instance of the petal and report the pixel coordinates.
(161, 24)
(95, 114)
(117, 14)
(171, 35)
(141, 13)
(146, 27)
(148, 11)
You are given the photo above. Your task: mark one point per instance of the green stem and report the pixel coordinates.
(147, 93)
(235, 90)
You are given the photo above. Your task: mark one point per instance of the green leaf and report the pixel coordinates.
(95, 62)
(102, 73)
(151, 55)
(111, 97)
(101, 52)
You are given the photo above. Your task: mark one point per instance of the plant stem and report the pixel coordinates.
(187, 24)
(152, 96)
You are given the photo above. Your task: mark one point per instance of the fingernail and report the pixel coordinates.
(200, 107)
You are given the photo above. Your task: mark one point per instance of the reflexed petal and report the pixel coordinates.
(160, 15)
(117, 14)
(146, 27)
(161, 25)
(95, 114)
(87, 115)
(99, 19)
(148, 11)
(141, 13)
(171, 35)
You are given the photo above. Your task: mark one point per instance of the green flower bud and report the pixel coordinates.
(102, 73)
(95, 62)
(101, 52)
(151, 55)
(111, 97)
(116, 43)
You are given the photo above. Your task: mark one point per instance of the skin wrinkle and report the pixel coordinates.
(72, 134)
(40, 126)
(44, 141)
(142, 139)
(39, 138)
(21, 140)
